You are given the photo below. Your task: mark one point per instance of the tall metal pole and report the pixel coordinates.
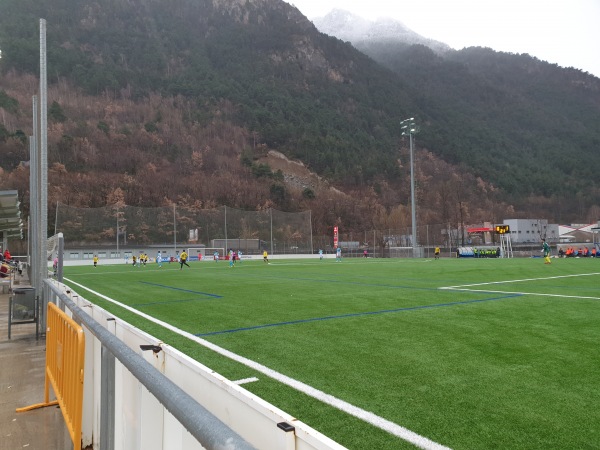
(34, 208)
(225, 220)
(271, 213)
(117, 231)
(61, 252)
(56, 219)
(174, 230)
(412, 195)
(409, 128)
(311, 234)
(42, 263)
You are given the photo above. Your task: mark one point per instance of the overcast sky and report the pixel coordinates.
(563, 32)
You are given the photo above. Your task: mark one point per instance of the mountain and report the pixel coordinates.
(522, 108)
(363, 33)
(152, 102)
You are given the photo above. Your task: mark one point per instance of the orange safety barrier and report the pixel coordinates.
(65, 353)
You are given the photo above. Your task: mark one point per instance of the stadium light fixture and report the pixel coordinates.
(409, 128)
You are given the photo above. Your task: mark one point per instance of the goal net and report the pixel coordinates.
(52, 246)
(205, 253)
(53, 255)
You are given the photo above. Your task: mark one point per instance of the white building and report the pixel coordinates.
(524, 231)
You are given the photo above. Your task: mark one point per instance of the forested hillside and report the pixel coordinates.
(525, 124)
(154, 102)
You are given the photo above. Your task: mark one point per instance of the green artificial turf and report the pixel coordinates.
(507, 358)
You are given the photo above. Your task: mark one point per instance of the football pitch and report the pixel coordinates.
(388, 353)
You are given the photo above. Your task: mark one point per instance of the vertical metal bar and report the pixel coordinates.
(311, 234)
(34, 172)
(174, 230)
(271, 212)
(117, 231)
(37, 319)
(34, 210)
(56, 219)
(107, 397)
(375, 243)
(412, 194)
(10, 308)
(61, 250)
(427, 232)
(43, 164)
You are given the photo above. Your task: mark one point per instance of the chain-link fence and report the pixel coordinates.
(177, 227)
(180, 227)
(399, 243)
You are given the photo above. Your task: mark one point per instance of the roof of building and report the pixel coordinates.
(11, 224)
(563, 229)
(479, 230)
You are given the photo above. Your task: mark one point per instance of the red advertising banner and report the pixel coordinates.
(335, 237)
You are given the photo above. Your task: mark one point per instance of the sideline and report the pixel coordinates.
(466, 287)
(458, 287)
(520, 294)
(379, 422)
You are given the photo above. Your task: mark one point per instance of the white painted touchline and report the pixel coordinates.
(541, 294)
(246, 380)
(518, 281)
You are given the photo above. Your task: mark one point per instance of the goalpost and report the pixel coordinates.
(52, 245)
(205, 253)
(54, 254)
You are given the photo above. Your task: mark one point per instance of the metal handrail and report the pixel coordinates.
(210, 432)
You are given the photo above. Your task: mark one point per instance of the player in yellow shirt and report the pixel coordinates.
(183, 256)
(95, 260)
(266, 257)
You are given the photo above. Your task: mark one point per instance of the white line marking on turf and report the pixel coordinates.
(369, 417)
(458, 287)
(524, 293)
(246, 380)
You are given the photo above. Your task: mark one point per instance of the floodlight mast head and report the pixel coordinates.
(408, 127)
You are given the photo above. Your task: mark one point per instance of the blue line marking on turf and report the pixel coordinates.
(167, 302)
(182, 290)
(369, 313)
(358, 283)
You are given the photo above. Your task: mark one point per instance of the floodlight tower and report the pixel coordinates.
(409, 128)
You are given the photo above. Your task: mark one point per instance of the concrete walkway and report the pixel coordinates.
(22, 364)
